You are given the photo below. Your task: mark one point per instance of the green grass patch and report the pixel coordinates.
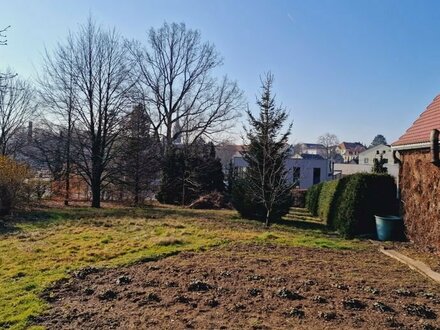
(40, 247)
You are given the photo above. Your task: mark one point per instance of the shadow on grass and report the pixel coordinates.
(305, 225)
(45, 216)
(7, 228)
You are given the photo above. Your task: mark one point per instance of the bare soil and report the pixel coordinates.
(250, 287)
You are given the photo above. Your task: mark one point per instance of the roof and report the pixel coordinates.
(379, 146)
(310, 157)
(420, 130)
(313, 145)
(226, 151)
(352, 146)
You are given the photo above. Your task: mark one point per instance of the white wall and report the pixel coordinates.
(306, 169)
(367, 156)
(347, 169)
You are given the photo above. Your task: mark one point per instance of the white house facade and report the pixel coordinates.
(367, 157)
(303, 170)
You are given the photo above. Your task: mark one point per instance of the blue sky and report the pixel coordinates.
(353, 68)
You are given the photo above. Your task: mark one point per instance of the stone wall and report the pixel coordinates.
(419, 181)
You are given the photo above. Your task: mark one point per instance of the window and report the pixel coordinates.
(316, 175)
(296, 175)
(365, 160)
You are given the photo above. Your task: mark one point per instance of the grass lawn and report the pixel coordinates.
(42, 246)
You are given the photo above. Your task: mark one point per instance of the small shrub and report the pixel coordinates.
(249, 208)
(211, 201)
(358, 198)
(312, 198)
(12, 183)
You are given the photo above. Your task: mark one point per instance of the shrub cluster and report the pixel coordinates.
(13, 178)
(348, 205)
(312, 198)
(250, 207)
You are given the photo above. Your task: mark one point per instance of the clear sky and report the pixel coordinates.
(353, 68)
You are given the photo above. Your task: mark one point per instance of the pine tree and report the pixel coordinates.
(189, 172)
(264, 193)
(138, 159)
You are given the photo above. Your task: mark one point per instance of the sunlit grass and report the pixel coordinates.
(40, 247)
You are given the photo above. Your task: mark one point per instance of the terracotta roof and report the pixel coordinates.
(352, 146)
(420, 130)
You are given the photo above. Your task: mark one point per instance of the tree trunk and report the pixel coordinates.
(267, 219)
(69, 137)
(96, 183)
(96, 194)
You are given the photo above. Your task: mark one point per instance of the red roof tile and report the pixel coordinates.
(420, 130)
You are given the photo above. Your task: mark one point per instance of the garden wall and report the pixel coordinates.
(420, 192)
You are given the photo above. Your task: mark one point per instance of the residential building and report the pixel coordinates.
(350, 151)
(303, 170)
(312, 149)
(367, 157)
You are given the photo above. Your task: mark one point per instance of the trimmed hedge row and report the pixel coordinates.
(312, 198)
(328, 191)
(348, 205)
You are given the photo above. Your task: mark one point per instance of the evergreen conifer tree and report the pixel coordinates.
(189, 172)
(263, 192)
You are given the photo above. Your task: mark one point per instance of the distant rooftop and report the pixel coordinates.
(313, 145)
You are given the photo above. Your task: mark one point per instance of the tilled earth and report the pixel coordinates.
(250, 287)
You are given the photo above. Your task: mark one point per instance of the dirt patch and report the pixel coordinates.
(249, 286)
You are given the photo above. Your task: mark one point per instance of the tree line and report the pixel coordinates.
(121, 113)
(110, 110)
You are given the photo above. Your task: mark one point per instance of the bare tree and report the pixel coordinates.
(176, 83)
(16, 109)
(58, 93)
(329, 141)
(96, 61)
(3, 40)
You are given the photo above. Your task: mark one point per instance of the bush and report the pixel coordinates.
(299, 197)
(326, 199)
(312, 198)
(12, 183)
(211, 201)
(357, 199)
(249, 208)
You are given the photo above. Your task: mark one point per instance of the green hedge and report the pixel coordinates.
(312, 198)
(348, 205)
(326, 199)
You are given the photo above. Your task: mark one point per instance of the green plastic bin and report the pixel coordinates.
(389, 227)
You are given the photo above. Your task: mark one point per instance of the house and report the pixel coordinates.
(417, 152)
(312, 149)
(367, 157)
(226, 152)
(303, 170)
(350, 151)
(366, 162)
